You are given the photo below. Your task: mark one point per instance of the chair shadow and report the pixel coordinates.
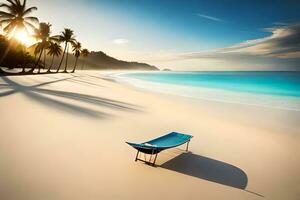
(208, 169)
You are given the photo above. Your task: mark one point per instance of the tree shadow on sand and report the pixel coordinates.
(49, 98)
(82, 79)
(209, 169)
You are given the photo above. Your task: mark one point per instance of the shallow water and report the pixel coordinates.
(274, 83)
(271, 89)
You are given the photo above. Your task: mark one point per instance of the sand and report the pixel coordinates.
(63, 137)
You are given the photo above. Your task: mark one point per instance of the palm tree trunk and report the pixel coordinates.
(63, 56)
(45, 58)
(23, 64)
(49, 70)
(37, 63)
(75, 65)
(67, 58)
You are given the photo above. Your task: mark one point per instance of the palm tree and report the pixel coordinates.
(54, 49)
(77, 52)
(42, 34)
(16, 18)
(37, 49)
(67, 36)
(85, 54)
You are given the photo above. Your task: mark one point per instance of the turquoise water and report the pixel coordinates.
(270, 83)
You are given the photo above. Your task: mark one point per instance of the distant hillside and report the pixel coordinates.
(100, 60)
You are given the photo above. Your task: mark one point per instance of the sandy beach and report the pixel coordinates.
(63, 137)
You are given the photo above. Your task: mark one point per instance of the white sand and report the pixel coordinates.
(58, 143)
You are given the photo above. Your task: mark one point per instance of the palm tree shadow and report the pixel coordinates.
(102, 78)
(49, 98)
(85, 82)
(80, 79)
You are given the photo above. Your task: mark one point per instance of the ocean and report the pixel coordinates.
(271, 89)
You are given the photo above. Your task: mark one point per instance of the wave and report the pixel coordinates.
(211, 93)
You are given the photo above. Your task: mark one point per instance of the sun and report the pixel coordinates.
(24, 37)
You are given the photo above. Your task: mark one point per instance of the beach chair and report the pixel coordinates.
(155, 146)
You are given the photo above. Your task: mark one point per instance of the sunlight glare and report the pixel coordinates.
(23, 37)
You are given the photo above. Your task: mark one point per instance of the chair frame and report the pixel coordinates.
(155, 157)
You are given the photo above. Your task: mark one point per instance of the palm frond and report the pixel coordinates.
(55, 38)
(85, 52)
(9, 27)
(32, 46)
(10, 8)
(38, 48)
(29, 25)
(32, 19)
(4, 17)
(54, 49)
(2, 13)
(24, 3)
(29, 10)
(12, 2)
(16, 10)
(72, 41)
(5, 21)
(67, 35)
(77, 53)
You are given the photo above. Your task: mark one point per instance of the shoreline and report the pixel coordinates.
(210, 94)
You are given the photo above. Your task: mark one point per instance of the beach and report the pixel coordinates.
(63, 137)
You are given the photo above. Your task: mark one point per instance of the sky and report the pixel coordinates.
(184, 35)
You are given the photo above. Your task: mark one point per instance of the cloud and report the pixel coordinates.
(283, 43)
(278, 51)
(280, 24)
(120, 41)
(210, 18)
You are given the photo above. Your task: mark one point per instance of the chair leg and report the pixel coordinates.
(145, 160)
(187, 146)
(154, 159)
(137, 156)
(150, 158)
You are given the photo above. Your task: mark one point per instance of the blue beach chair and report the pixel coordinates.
(155, 146)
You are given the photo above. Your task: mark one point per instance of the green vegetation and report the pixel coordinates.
(16, 55)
